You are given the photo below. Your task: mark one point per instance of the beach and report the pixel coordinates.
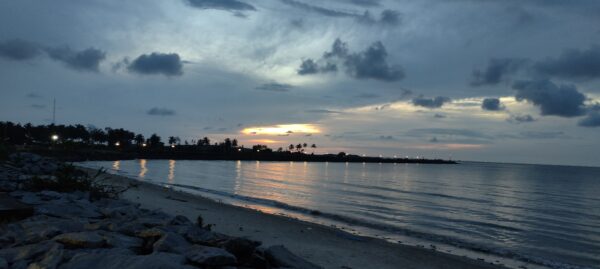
(325, 246)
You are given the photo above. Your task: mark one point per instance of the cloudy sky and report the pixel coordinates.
(509, 81)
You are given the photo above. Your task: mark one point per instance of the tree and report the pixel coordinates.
(154, 141)
(98, 136)
(139, 139)
(299, 147)
(234, 142)
(173, 140)
(291, 147)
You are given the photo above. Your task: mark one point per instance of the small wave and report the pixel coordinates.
(383, 227)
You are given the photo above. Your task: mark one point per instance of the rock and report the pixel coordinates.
(50, 195)
(25, 252)
(90, 239)
(121, 212)
(113, 260)
(50, 260)
(3, 264)
(150, 233)
(209, 256)
(64, 208)
(117, 240)
(242, 248)
(180, 220)
(39, 228)
(202, 236)
(279, 256)
(172, 243)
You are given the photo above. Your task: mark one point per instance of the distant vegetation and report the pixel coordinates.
(78, 143)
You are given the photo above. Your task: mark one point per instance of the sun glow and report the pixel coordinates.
(282, 129)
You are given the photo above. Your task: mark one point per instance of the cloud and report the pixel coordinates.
(492, 104)
(496, 71)
(275, 87)
(323, 111)
(19, 50)
(367, 95)
(439, 116)
(368, 64)
(520, 119)
(435, 102)
(228, 5)
(572, 64)
(447, 132)
(33, 95)
(591, 120)
(386, 137)
(433, 140)
(157, 111)
(365, 3)
(168, 64)
(557, 100)
(319, 10)
(387, 17)
(85, 60)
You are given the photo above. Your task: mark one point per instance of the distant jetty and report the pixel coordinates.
(193, 153)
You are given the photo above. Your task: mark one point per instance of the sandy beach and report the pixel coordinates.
(322, 245)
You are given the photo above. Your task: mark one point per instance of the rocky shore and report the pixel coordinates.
(79, 230)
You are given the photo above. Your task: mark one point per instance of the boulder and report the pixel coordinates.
(26, 252)
(202, 236)
(117, 240)
(90, 239)
(50, 260)
(180, 220)
(115, 260)
(172, 243)
(209, 256)
(279, 256)
(242, 248)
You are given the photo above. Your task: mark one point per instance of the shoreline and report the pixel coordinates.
(326, 246)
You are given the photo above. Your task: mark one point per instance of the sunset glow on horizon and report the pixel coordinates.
(282, 129)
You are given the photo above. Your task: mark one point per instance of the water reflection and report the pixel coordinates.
(116, 165)
(143, 169)
(171, 177)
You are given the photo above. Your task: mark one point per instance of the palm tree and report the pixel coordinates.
(291, 147)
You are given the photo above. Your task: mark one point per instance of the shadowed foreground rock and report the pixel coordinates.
(68, 230)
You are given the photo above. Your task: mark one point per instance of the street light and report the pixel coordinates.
(54, 137)
(117, 144)
(144, 145)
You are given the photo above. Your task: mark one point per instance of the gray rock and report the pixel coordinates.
(242, 248)
(39, 228)
(203, 255)
(64, 208)
(150, 233)
(279, 256)
(26, 252)
(202, 236)
(91, 239)
(3, 263)
(117, 240)
(111, 260)
(180, 220)
(171, 242)
(50, 260)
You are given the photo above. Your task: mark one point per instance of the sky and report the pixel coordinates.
(506, 81)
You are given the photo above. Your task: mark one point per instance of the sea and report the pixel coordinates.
(518, 215)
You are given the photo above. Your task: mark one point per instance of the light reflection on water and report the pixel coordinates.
(547, 212)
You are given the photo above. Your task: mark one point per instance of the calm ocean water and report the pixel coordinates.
(542, 215)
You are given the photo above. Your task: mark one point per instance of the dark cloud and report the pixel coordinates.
(168, 64)
(520, 119)
(19, 50)
(435, 102)
(591, 120)
(447, 132)
(365, 3)
(157, 111)
(316, 9)
(492, 104)
(229, 5)
(368, 64)
(387, 17)
(572, 64)
(439, 116)
(85, 60)
(557, 100)
(535, 135)
(496, 71)
(275, 87)
(386, 137)
(323, 111)
(433, 140)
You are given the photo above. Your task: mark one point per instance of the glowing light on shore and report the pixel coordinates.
(54, 137)
(282, 129)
